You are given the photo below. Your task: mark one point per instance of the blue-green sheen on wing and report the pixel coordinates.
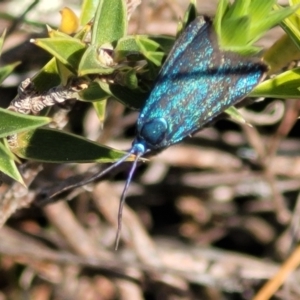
(197, 82)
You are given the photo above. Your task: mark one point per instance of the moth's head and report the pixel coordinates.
(152, 133)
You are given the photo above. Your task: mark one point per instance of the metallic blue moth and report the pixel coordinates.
(197, 82)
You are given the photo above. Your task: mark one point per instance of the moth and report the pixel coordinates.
(197, 82)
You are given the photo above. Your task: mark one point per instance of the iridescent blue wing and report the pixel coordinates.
(197, 82)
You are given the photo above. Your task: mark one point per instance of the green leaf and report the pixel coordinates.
(8, 165)
(148, 45)
(150, 49)
(52, 33)
(241, 23)
(12, 122)
(258, 10)
(83, 32)
(100, 108)
(55, 72)
(291, 26)
(91, 62)
(285, 85)
(110, 23)
(294, 2)
(222, 8)
(165, 42)
(64, 73)
(88, 9)
(93, 93)
(7, 70)
(126, 46)
(239, 9)
(190, 14)
(131, 98)
(235, 115)
(131, 79)
(270, 21)
(2, 40)
(280, 54)
(68, 50)
(47, 77)
(55, 146)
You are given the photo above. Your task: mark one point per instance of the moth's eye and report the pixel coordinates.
(154, 131)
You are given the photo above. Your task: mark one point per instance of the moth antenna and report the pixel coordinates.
(94, 177)
(123, 197)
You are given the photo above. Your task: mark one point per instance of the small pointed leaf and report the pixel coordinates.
(67, 50)
(100, 108)
(131, 98)
(2, 40)
(222, 8)
(88, 9)
(90, 63)
(126, 46)
(110, 23)
(93, 93)
(7, 70)
(150, 49)
(285, 85)
(235, 115)
(291, 27)
(8, 165)
(190, 14)
(47, 77)
(12, 122)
